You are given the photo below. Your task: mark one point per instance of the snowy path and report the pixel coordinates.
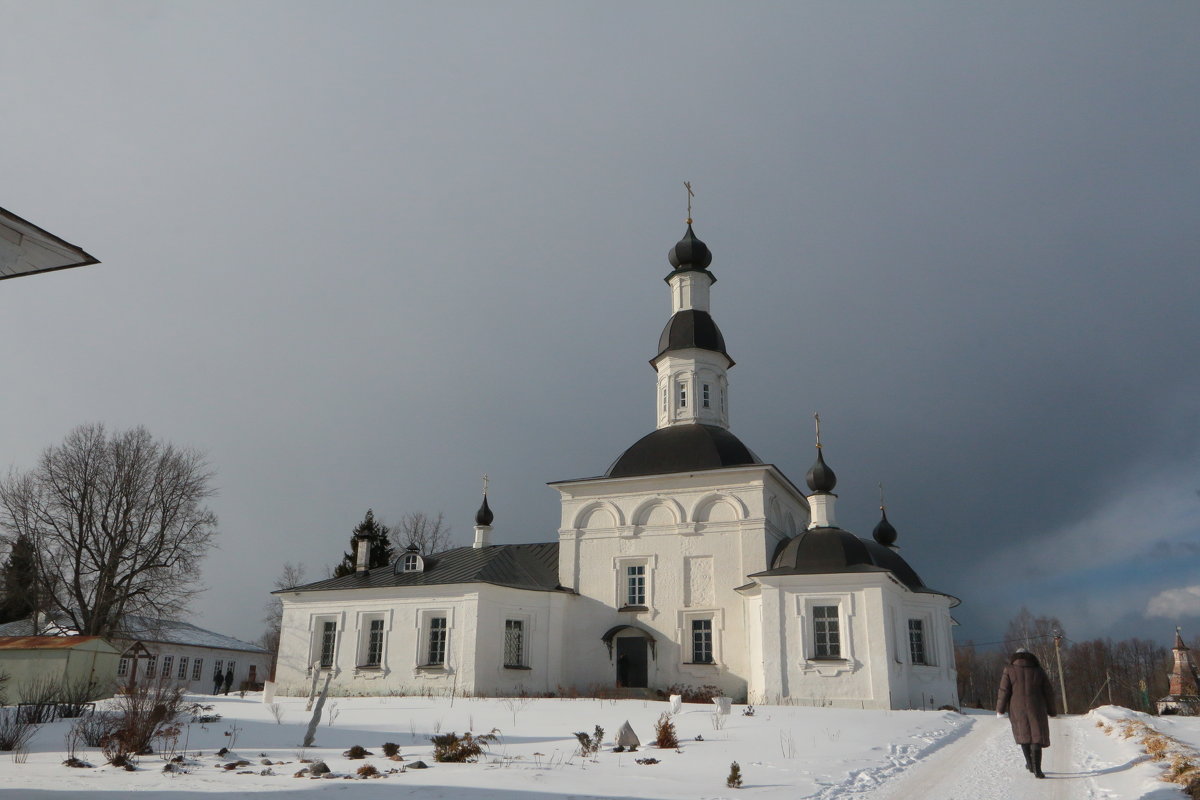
(984, 764)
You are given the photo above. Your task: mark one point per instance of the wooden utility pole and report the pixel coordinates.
(1062, 686)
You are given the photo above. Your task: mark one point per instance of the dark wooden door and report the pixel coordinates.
(632, 666)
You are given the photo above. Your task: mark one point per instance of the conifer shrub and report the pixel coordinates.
(391, 749)
(664, 732)
(590, 745)
(734, 781)
(452, 748)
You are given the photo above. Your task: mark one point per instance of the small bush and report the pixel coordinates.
(143, 713)
(734, 781)
(367, 770)
(664, 733)
(590, 745)
(646, 761)
(16, 729)
(452, 748)
(92, 728)
(356, 752)
(391, 749)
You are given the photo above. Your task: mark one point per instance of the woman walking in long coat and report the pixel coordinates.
(1026, 695)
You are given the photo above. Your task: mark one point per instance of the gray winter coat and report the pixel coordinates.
(1026, 695)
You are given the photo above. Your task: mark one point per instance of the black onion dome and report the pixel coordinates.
(691, 328)
(820, 477)
(682, 448)
(484, 515)
(690, 253)
(884, 533)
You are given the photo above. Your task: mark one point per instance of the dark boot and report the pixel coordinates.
(1037, 762)
(1028, 757)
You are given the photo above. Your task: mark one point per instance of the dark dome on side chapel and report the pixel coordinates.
(682, 448)
(820, 477)
(819, 551)
(690, 253)
(692, 328)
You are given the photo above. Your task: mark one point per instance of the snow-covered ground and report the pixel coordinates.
(784, 752)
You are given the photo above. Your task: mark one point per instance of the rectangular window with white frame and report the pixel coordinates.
(918, 652)
(167, 663)
(702, 641)
(437, 636)
(372, 644)
(122, 667)
(326, 642)
(682, 395)
(183, 665)
(706, 396)
(197, 669)
(635, 585)
(514, 644)
(827, 633)
(151, 666)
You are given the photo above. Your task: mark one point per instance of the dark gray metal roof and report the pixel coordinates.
(691, 328)
(682, 448)
(520, 566)
(690, 253)
(828, 550)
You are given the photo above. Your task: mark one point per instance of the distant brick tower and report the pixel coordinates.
(1184, 694)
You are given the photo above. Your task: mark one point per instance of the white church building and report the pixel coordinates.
(690, 562)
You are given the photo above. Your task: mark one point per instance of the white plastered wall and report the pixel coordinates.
(475, 615)
(699, 535)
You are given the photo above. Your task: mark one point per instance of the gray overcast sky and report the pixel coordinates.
(362, 253)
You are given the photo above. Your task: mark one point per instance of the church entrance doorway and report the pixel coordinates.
(632, 665)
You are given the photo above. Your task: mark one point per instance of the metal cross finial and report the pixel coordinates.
(882, 505)
(485, 479)
(817, 417)
(688, 185)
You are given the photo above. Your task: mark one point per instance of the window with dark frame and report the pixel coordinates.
(702, 641)
(374, 644)
(826, 635)
(514, 643)
(328, 643)
(916, 641)
(437, 642)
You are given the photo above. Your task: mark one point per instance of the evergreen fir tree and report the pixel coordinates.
(18, 597)
(381, 548)
(734, 781)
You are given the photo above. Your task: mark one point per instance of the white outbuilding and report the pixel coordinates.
(689, 563)
(31, 664)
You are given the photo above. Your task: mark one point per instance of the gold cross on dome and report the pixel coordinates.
(485, 481)
(688, 185)
(817, 417)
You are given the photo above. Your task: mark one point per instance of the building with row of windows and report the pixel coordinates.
(690, 561)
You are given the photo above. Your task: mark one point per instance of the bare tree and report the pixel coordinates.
(117, 523)
(292, 575)
(429, 534)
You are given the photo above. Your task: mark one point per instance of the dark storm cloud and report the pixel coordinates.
(364, 254)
